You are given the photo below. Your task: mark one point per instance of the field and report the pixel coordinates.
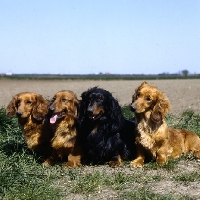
(183, 94)
(23, 177)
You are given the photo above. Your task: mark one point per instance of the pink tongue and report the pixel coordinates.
(91, 117)
(53, 119)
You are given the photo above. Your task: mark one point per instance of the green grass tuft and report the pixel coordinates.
(169, 166)
(188, 120)
(188, 177)
(127, 112)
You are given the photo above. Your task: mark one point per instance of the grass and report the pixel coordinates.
(23, 177)
(188, 177)
(188, 120)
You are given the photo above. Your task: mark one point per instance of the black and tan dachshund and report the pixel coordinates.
(106, 135)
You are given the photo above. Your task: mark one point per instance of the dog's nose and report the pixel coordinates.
(51, 108)
(19, 113)
(133, 108)
(90, 111)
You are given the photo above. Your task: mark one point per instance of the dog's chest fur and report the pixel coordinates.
(100, 143)
(148, 137)
(145, 135)
(32, 133)
(64, 134)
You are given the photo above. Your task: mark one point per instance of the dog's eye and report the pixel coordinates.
(137, 95)
(64, 100)
(148, 99)
(28, 102)
(92, 96)
(98, 99)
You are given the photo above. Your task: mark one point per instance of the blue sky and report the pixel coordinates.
(85, 36)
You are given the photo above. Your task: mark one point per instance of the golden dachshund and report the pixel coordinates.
(30, 109)
(63, 122)
(154, 139)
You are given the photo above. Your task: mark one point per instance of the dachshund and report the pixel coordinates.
(105, 133)
(31, 109)
(62, 117)
(155, 140)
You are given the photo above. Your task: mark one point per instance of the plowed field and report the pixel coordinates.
(183, 94)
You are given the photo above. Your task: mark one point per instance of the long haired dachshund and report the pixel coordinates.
(154, 139)
(63, 123)
(106, 134)
(31, 109)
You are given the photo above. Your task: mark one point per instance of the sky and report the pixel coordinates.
(99, 36)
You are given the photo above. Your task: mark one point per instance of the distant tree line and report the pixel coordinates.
(184, 74)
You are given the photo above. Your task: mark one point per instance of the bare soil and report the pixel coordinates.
(165, 183)
(183, 94)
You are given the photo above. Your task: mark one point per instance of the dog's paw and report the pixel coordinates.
(48, 162)
(71, 164)
(161, 160)
(196, 154)
(115, 163)
(137, 163)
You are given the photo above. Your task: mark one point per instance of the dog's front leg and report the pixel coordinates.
(115, 161)
(51, 160)
(162, 154)
(74, 158)
(139, 161)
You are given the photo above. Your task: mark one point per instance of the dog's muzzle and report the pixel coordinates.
(19, 113)
(133, 108)
(94, 117)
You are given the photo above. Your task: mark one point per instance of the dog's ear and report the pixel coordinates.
(77, 104)
(134, 96)
(40, 109)
(156, 116)
(114, 109)
(84, 95)
(82, 106)
(160, 109)
(75, 107)
(11, 108)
